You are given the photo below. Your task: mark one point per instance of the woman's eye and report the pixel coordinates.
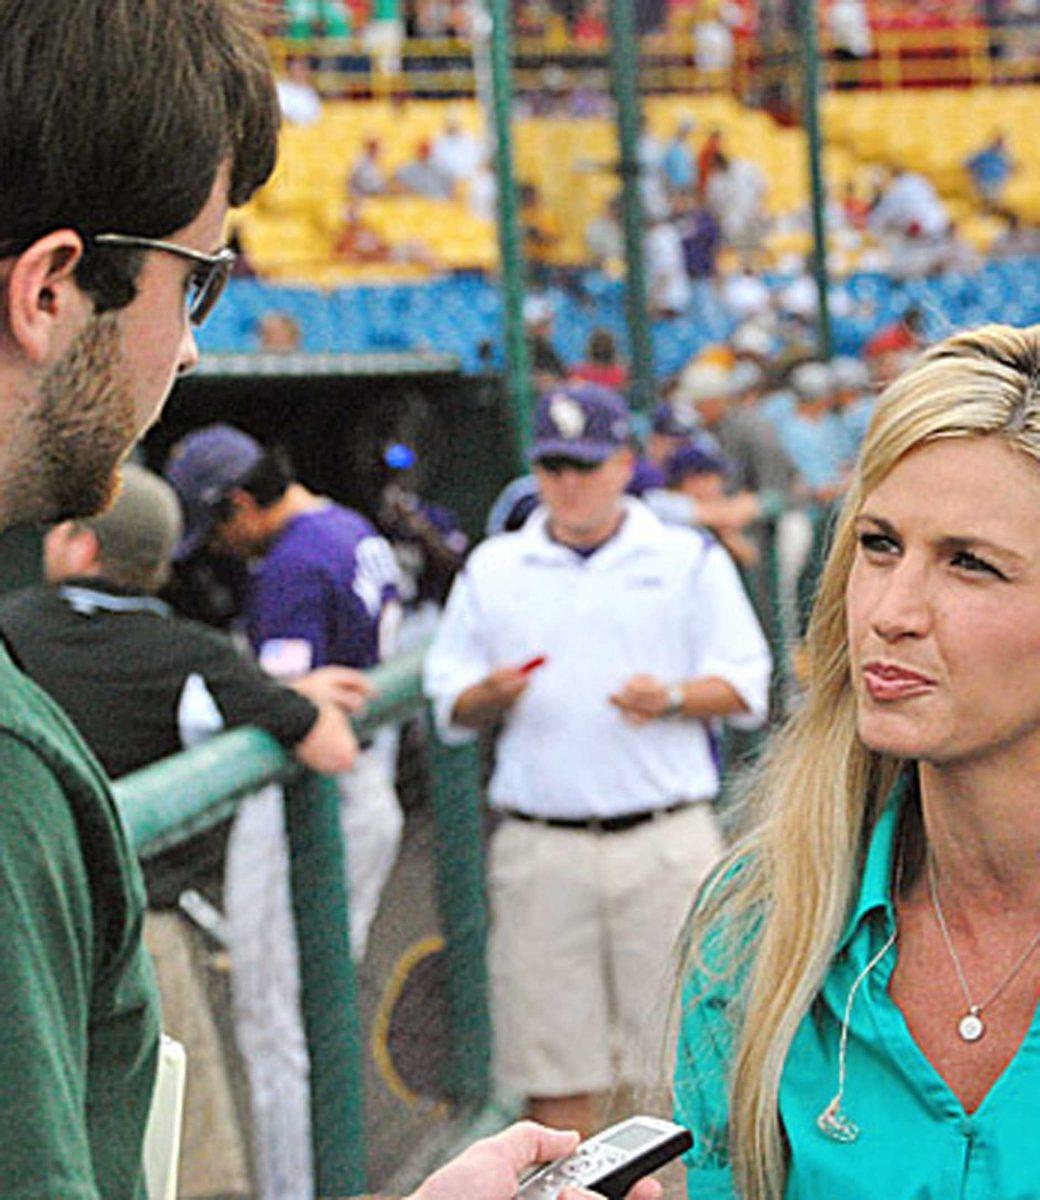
(877, 543)
(971, 562)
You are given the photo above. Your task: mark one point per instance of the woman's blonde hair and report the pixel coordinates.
(783, 894)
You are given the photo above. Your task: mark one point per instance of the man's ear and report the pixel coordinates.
(70, 549)
(45, 305)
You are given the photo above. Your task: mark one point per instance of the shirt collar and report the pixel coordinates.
(89, 595)
(875, 889)
(639, 527)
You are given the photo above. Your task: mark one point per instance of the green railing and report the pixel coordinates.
(173, 800)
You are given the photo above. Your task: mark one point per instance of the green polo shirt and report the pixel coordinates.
(79, 1024)
(915, 1141)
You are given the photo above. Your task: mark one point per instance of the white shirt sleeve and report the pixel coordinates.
(731, 645)
(458, 658)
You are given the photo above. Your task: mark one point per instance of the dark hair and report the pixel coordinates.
(116, 116)
(602, 348)
(270, 477)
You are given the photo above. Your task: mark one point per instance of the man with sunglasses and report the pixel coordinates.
(605, 644)
(129, 128)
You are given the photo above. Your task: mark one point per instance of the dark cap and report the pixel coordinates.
(203, 468)
(671, 420)
(581, 420)
(695, 458)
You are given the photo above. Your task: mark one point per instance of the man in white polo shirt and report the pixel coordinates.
(606, 644)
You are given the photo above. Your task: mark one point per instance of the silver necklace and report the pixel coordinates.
(971, 1026)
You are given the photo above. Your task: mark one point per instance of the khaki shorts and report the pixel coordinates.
(583, 955)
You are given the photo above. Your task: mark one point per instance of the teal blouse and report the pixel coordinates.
(914, 1140)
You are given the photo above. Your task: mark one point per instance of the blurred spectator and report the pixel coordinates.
(701, 237)
(909, 207)
(546, 366)
(767, 486)
(652, 189)
(482, 193)
(713, 43)
(672, 424)
(604, 242)
(541, 232)
(382, 37)
(429, 19)
(588, 864)
(602, 364)
(849, 26)
(358, 242)
(421, 177)
(306, 19)
(677, 161)
(855, 207)
(746, 295)
(455, 152)
(813, 435)
(697, 472)
(297, 95)
(322, 592)
(736, 194)
(278, 332)
(854, 402)
(708, 161)
(426, 539)
(800, 299)
(757, 461)
(990, 169)
(668, 284)
(590, 27)
(366, 175)
(888, 351)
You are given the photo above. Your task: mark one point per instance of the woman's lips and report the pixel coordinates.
(884, 681)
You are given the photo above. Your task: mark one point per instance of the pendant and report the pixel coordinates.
(971, 1026)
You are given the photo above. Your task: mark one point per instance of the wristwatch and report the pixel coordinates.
(676, 699)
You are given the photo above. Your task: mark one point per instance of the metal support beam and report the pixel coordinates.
(512, 266)
(811, 92)
(624, 69)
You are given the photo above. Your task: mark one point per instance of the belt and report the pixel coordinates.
(600, 824)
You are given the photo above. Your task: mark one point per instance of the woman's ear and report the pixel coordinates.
(45, 306)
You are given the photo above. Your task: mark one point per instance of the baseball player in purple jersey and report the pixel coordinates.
(323, 590)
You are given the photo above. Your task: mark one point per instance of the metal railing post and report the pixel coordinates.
(458, 822)
(328, 988)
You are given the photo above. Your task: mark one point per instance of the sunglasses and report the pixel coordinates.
(556, 464)
(209, 276)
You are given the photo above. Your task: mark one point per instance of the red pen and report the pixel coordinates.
(533, 664)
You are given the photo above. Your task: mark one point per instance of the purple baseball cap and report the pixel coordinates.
(582, 421)
(202, 468)
(695, 458)
(674, 420)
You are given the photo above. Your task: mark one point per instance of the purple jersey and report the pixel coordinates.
(326, 592)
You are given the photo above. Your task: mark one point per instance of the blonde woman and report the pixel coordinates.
(860, 1008)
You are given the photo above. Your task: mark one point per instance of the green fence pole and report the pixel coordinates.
(811, 72)
(512, 265)
(328, 989)
(458, 824)
(624, 70)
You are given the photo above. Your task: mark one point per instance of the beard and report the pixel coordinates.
(82, 428)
